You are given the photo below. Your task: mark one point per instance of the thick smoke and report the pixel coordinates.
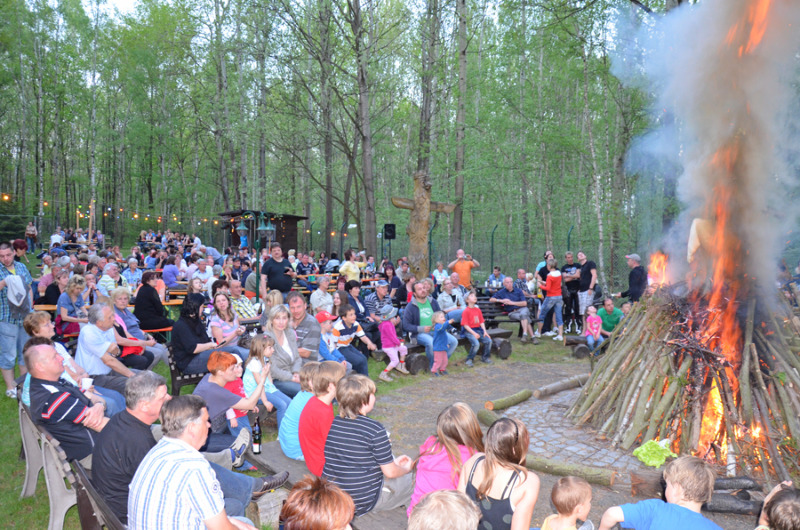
(721, 75)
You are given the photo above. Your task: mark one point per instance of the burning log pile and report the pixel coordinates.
(676, 370)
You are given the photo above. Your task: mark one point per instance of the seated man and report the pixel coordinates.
(358, 453)
(306, 268)
(176, 475)
(515, 305)
(243, 307)
(495, 280)
(128, 437)
(61, 407)
(610, 316)
(418, 321)
(98, 351)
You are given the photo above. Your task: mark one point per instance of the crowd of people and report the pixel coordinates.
(311, 351)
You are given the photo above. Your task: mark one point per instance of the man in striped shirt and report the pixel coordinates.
(174, 486)
(358, 454)
(60, 407)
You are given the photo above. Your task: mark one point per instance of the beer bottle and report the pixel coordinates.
(257, 437)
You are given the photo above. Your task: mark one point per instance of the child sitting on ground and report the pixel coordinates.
(390, 344)
(781, 509)
(440, 328)
(593, 326)
(358, 454)
(474, 328)
(328, 344)
(572, 499)
(317, 415)
(236, 387)
(288, 434)
(690, 482)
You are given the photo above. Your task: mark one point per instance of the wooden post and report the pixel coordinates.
(419, 221)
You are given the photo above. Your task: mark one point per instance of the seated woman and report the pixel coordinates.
(497, 480)
(133, 274)
(223, 368)
(286, 360)
(225, 328)
(191, 346)
(55, 289)
(171, 273)
(148, 307)
(69, 310)
(135, 352)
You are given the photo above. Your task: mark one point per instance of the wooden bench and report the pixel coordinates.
(272, 461)
(93, 510)
(178, 378)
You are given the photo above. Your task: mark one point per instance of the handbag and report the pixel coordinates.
(66, 328)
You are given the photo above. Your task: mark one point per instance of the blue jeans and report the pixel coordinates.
(243, 424)
(12, 339)
(356, 359)
(475, 344)
(556, 302)
(115, 402)
(199, 363)
(593, 343)
(31, 245)
(237, 489)
(244, 353)
(289, 388)
(281, 402)
(455, 315)
(426, 339)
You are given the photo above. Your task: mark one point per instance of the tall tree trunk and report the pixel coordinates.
(461, 125)
(324, 18)
(430, 36)
(93, 124)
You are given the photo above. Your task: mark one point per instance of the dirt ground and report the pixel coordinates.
(410, 416)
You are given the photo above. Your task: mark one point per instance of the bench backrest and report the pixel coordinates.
(101, 515)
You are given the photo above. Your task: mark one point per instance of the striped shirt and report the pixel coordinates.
(61, 407)
(344, 335)
(354, 453)
(174, 487)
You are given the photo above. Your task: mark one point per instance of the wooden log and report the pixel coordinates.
(573, 340)
(594, 475)
(509, 401)
(581, 351)
(487, 417)
(417, 363)
(502, 348)
(564, 384)
(726, 503)
(737, 483)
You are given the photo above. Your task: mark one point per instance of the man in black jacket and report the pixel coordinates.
(637, 279)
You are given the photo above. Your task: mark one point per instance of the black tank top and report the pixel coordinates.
(496, 514)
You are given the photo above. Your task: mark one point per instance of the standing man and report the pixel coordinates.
(306, 328)
(515, 305)
(571, 277)
(174, 486)
(637, 279)
(418, 321)
(588, 279)
(277, 272)
(16, 301)
(463, 265)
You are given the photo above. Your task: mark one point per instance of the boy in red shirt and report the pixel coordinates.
(474, 328)
(317, 415)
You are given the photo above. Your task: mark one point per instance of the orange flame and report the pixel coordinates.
(712, 423)
(754, 26)
(657, 269)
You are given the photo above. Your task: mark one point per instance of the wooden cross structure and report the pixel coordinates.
(419, 222)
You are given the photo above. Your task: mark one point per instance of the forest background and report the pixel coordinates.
(181, 109)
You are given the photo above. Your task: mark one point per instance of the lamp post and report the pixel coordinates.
(267, 230)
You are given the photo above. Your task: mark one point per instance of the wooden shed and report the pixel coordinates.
(286, 228)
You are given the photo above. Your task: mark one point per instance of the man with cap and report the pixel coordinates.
(637, 279)
(328, 350)
(377, 301)
(391, 345)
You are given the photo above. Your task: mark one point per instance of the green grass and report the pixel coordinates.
(33, 513)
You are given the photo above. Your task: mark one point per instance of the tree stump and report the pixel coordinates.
(417, 363)
(501, 348)
(581, 351)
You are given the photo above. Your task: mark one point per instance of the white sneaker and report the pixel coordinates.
(549, 333)
(558, 337)
(569, 328)
(578, 330)
(385, 377)
(537, 334)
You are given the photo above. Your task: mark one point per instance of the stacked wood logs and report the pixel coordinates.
(655, 380)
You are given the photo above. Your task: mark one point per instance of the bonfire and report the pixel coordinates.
(708, 360)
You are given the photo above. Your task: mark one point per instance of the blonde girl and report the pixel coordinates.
(261, 349)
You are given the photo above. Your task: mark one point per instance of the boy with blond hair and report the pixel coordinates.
(358, 454)
(572, 499)
(288, 432)
(445, 510)
(690, 482)
(317, 415)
